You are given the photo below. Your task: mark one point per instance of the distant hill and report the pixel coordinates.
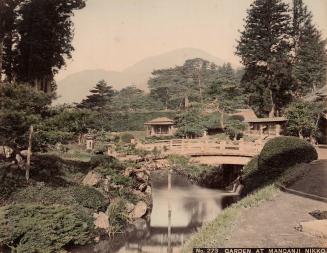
(75, 87)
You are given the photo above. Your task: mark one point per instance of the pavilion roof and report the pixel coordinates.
(160, 121)
(266, 120)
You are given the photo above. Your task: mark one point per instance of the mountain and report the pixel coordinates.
(76, 87)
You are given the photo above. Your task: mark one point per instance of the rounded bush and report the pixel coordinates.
(275, 158)
(286, 151)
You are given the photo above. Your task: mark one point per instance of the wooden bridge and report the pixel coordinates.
(208, 151)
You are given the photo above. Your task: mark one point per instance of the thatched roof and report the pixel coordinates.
(160, 121)
(267, 120)
(245, 113)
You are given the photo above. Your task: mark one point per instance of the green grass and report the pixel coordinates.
(214, 234)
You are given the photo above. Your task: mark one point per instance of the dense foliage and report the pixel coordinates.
(277, 155)
(310, 61)
(38, 228)
(20, 107)
(38, 40)
(303, 118)
(283, 54)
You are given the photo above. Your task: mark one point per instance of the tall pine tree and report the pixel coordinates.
(310, 61)
(45, 33)
(264, 48)
(101, 96)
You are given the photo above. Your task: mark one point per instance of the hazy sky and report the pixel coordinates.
(114, 34)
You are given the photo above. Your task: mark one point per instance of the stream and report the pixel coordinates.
(191, 206)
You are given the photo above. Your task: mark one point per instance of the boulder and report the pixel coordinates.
(148, 190)
(19, 159)
(139, 194)
(24, 153)
(140, 224)
(129, 207)
(141, 176)
(92, 179)
(139, 210)
(101, 221)
(142, 187)
(6, 151)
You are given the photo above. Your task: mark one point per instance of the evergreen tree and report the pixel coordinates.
(264, 48)
(101, 96)
(45, 33)
(225, 92)
(310, 61)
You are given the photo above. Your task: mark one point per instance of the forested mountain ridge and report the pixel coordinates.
(75, 87)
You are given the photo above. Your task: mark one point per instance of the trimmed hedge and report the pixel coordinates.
(46, 229)
(276, 156)
(285, 152)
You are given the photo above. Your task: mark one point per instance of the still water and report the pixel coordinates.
(191, 206)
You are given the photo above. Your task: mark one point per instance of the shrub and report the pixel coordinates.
(88, 197)
(118, 216)
(38, 228)
(126, 138)
(105, 161)
(285, 152)
(78, 195)
(276, 156)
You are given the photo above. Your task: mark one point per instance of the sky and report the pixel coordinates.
(115, 34)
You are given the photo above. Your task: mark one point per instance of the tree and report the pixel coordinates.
(225, 92)
(264, 49)
(20, 107)
(234, 128)
(181, 86)
(190, 123)
(45, 32)
(310, 61)
(7, 19)
(134, 99)
(303, 118)
(101, 95)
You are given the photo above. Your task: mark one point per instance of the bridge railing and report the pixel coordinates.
(204, 146)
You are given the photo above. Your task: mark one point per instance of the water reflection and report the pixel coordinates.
(191, 206)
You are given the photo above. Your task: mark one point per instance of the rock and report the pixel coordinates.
(6, 151)
(91, 179)
(317, 227)
(24, 153)
(19, 158)
(129, 207)
(140, 224)
(148, 190)
(142, 187)
(138, 193)
(101, 221)
(142, 176)
(139, 210)
(128, 172)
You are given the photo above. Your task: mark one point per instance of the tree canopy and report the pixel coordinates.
(37, 39)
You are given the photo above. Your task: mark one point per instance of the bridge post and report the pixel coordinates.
(222, 145)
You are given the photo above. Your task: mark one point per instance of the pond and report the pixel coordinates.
(191, 206)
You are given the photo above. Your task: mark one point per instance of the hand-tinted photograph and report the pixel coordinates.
(163, 126)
